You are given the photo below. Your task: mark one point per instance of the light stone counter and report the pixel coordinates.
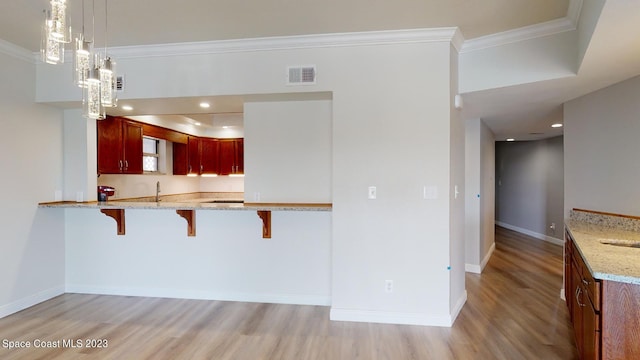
(606, 262)
(187, 205)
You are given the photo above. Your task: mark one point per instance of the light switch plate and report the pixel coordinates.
(430, 192)
(373, 193)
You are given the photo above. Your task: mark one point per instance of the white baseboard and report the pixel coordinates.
(29, 301)
(398, 318)
(383, 317)
(477, 269)
(293, 299)
(458, 307)
(533, 234)
(471, 268)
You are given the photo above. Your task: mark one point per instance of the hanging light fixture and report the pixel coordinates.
(55, 32)
(82, 56)
(52, 50)
(59, 30)
(94, 74)
(99, 92)
(107, 70)
(92, 104)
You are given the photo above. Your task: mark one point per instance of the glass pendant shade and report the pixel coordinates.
(93, 108)
(107, 83)
(82, 61)
(52, 50)
(59, 30)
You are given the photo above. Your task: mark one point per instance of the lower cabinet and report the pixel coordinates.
(605, 314)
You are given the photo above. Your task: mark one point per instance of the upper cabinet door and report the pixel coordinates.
(119, 146)
(194, 149)
(109, 133)
(239, 156)
(231, 156)
(209, 156)
(132, 148)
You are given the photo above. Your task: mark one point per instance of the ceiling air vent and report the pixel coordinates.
(120, 83)
(301, 75)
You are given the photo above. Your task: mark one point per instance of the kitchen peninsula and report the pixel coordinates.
(187, 208)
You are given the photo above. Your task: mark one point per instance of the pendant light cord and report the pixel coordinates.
(106, 24)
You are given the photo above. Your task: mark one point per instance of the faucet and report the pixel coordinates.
(158, 191)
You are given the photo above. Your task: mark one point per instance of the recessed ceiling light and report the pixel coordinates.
(556, 125)
(198, 124)
(127, 108)
(225, 127)
(204, 105)
(511, 139)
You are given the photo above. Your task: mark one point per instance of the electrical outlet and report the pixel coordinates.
(388, 286)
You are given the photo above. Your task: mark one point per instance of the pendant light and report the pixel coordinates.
(52, 51)
(59, 30)
(82, 56)
(107, 70)
(93, 108)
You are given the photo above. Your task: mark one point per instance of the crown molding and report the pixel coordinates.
(16, 51)
(573, 12)
(521, 34)
(288, 43)
(568, 23)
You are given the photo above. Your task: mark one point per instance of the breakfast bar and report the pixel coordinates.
(186, 209)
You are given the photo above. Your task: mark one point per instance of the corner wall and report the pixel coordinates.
(480, 195)
(32, 239)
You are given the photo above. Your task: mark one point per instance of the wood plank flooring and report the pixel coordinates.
(513, 312)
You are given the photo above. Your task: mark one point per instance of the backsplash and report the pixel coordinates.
(134, 186)
(621, 222)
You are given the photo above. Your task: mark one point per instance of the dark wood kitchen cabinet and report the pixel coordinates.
(605, 313)
(208, 156)
(231, 156)
(119, 146)
(197, 157)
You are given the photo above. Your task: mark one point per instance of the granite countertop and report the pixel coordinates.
(187, 205)
(606, 262)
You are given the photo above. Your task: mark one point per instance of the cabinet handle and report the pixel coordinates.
(120, 165)
(201, 168)
(585, 282)
(189, 168)
(578, 293)
(126, 164)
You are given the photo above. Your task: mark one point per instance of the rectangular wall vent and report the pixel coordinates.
(120, 83)
(301, 75)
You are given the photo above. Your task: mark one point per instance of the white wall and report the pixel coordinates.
(519, 62)
(391, 128)
(480, 195)
(32, 255)
(487, 194)
(601, 150)
(457, 292)
(227, 259)
(288, 151)
(530, 189)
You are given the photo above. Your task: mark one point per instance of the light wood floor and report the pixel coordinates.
(513, 312)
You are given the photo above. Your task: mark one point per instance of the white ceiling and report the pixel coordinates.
(515, 111)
